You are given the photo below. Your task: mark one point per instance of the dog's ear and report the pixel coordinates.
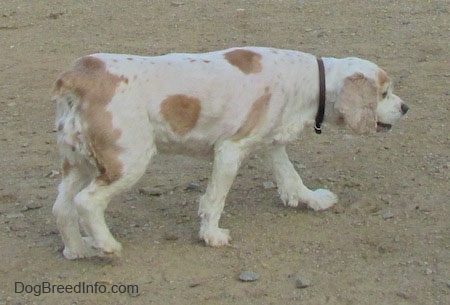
(357, 103)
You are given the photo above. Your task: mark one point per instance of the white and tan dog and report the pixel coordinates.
(115, 111)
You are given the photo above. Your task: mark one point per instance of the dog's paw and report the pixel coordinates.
(88, 248)
(216, 237)
(72, 254)
(289, 199)
(85, 250)
(322, 200)
(108, 249)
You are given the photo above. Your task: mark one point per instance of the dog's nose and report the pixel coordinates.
(404, 108)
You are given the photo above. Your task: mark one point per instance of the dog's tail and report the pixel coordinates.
(71, 140)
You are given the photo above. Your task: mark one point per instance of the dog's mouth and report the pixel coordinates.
(383, 127)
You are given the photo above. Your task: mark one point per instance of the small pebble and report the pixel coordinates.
(195, 282)
(403, 295)
(248, 276)
(52, 174)
(171, 236)
(193, 187)
(32, 206)
(151, 191)
(176, 3)
(301, 282)
(268, 185)
(106, 281)
(387, 215)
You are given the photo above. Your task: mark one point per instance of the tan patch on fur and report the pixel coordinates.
(247, 61)
(357, 103)
(181, 112)
(383, 81)
(255, 117)
(66, 167)
(95, 87)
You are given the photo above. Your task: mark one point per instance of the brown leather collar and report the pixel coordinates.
(322, 89)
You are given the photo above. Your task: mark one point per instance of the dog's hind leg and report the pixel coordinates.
(75, 178)
(92, 201)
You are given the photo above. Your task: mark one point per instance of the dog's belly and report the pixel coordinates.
(195, 149)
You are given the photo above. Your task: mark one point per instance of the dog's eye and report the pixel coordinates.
(385, 93)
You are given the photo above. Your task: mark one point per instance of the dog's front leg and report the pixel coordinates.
(227, 159)
(291, 187)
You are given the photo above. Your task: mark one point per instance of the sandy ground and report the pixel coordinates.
(386, 242)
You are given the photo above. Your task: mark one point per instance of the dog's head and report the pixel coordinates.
(365, 101)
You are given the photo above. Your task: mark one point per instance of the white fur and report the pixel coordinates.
(226, 96)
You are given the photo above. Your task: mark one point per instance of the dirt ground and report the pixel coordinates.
(386, 242)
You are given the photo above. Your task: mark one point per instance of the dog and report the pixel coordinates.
(115, 111)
